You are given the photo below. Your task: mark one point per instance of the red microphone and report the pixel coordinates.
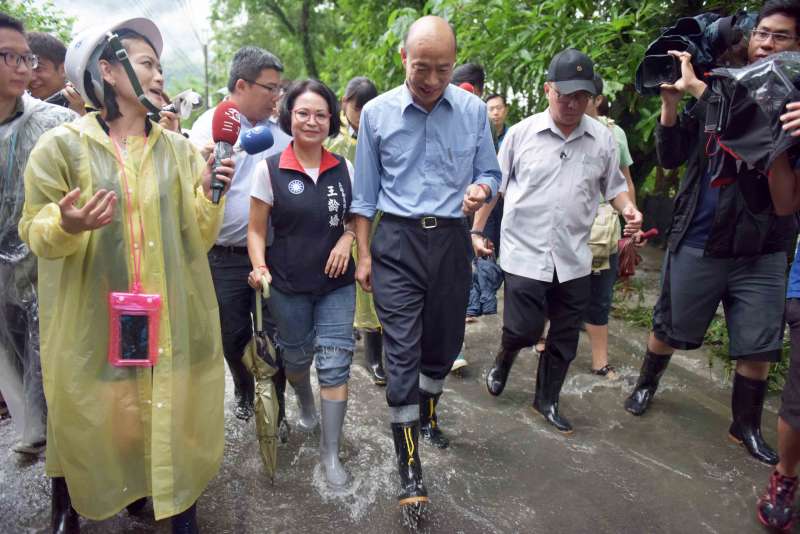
(468, 87)
(225, 128)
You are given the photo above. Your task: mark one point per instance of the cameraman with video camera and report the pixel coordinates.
(705, 262)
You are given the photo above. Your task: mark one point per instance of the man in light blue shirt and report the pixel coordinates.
(254, 85)
(424, 158)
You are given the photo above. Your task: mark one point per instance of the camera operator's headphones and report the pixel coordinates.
(83, 55)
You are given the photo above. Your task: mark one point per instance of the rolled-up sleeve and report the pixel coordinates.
(367, 182)
(486, 169)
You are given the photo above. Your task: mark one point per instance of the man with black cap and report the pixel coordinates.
(556, 165)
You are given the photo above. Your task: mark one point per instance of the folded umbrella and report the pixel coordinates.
(260, 359)
(628, 257)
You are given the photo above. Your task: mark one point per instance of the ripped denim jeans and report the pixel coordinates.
(318, 328)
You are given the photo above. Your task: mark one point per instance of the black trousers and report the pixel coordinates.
(524, 313)
(236, 299)
(421, 279)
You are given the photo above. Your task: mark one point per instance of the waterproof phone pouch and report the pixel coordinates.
(133, 329)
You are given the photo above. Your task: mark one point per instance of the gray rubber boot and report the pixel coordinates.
(332, 420)
(308, 419)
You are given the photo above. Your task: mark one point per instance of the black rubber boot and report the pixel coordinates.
(653, 368)
(373, 356)
(747, 402)
(244, 389)
(428, 422)
(549, 379)
(406, 447)
(186, 521)
(498, 374)
(63, 517)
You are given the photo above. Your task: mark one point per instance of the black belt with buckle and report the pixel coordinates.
(229, 250)
(428, 223)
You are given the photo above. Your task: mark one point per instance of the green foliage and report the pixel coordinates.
(40, 17)
(513, 39)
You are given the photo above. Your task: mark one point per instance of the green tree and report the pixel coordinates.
(40, 16)
(298, 31)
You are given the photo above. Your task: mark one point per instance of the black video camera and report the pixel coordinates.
(711, 39)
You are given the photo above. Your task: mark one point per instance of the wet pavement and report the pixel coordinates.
(672, 470)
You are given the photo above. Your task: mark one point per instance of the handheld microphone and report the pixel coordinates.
(225, 126)
(257, 140)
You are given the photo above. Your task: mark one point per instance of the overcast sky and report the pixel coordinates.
(182, 51)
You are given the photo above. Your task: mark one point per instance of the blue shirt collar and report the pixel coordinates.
(407, 99)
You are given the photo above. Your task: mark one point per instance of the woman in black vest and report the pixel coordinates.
(306, 191)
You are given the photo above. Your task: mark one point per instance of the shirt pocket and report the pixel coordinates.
(457, 165)
(587, 175)
(396, 150)
(534, 170)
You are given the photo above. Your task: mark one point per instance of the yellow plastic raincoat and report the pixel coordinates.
(118, 434)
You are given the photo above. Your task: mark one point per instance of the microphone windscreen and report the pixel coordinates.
(257, 140)
(225, 124)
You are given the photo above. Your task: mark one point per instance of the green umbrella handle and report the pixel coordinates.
(265, 292)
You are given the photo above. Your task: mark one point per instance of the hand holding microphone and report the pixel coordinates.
(225, 126)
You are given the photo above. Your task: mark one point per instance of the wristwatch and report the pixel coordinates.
(477, 232)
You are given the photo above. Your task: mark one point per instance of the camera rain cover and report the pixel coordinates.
(756, 97)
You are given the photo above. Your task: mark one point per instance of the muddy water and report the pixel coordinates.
(671, 470)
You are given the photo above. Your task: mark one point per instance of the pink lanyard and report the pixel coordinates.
(136, 248)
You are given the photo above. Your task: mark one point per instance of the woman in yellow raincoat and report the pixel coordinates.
(117, 435)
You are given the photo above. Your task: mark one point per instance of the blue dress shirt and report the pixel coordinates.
(414, 163)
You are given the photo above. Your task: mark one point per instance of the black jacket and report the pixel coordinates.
(745, 223)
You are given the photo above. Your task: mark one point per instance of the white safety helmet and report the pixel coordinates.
(81, 64)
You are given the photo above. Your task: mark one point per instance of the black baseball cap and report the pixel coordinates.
(572, 71)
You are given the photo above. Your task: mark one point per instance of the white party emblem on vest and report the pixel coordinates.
(296, 187)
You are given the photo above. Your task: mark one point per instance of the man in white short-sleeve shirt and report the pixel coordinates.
(254, 85)
(556, 165)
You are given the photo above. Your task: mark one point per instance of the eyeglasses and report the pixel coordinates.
(304, 115)
(274, 89)
(777, 38)
(13, 59)
(580, 97)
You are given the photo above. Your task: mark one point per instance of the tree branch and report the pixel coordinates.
(280, 14)
(304, 27)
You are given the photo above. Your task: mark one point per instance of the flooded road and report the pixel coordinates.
(672, 470)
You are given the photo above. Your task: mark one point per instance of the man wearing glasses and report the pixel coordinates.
(705, 264)
(254, 85)
(23, 119)
(556, 167)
